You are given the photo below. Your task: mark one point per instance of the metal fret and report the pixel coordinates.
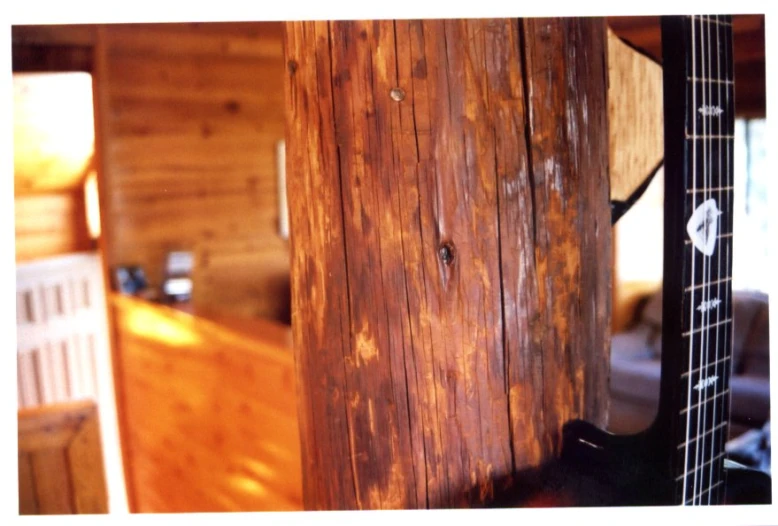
(703, 492)
(701, 466)
(711, 364)
(708, 20)
(709, 399)
(719, 137)
(715, 282)
(720, 236)
(710, 431)
(706, 79)
(710, 326)
(713, 189)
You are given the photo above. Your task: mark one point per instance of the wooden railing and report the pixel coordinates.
(61, 327)
(60, 460)
(62, 348)
(209, 411)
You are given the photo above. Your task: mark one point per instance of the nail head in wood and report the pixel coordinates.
(397, 94)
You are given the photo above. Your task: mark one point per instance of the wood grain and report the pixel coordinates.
(635, 117)
(50, 225)
(190, 117)
(60, 460)
(52, 484)
(54, 34)
(749, 54)
(89, 490)
(209, 410)
(450, 261)
(28, 504)
(53, 148)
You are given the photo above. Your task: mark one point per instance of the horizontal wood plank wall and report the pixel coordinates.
(50, 224)
(53, 146)
(192, 119)
(210, 411)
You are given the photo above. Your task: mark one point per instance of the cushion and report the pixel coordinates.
(635, 380)
(632, 345)
(750, 401)
(747, 306)
(755, 353)
(652, 311)
(635, 361)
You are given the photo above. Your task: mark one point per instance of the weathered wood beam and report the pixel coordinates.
(448, 193)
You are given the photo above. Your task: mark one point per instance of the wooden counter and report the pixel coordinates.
(209, 411)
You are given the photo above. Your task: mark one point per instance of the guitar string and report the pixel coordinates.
(709, 167)
(717, 414)
(725, 175)
(729, 172)
(709, 263)
(705, 348)
(691, 317)
(699, 450)
(730, 93)
(713, 116)
(702, 415)
(716, 445)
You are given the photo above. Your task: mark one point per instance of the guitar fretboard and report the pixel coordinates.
(705, 210)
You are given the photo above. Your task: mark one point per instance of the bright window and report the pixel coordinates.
(750, 256)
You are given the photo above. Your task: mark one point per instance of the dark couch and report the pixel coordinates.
(635, 366)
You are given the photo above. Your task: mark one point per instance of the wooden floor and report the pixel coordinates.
(209, 411)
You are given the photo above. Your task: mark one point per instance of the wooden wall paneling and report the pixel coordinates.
(53, 147)
(439, 252)
(210, 411)
(230, 271)
(192, 116)
(50, 224)
(214, 39)
(38, 58)
(55, 34)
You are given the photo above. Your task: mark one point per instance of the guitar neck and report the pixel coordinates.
(697, 320)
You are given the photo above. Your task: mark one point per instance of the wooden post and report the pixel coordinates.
(448, 194)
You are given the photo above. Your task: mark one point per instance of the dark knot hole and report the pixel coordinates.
(446, 253)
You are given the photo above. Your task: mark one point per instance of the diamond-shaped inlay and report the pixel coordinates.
(703, 225)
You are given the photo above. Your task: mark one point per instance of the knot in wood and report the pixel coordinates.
(446, 253)
(292, 66)
(397, 94)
